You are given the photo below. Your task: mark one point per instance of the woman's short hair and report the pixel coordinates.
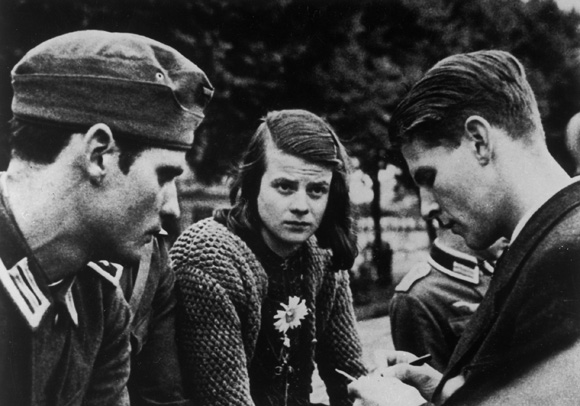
(305, 135)
(491, 84)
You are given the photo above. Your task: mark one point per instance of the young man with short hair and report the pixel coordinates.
(435, 300)
(101, 125)
(471, 134)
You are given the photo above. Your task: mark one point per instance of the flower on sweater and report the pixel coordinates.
(292, 314)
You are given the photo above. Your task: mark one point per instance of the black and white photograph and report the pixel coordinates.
(289, 202)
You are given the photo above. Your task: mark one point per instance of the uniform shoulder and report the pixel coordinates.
(416, 273)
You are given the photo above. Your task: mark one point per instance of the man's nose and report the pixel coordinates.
(170, 204)
(429, 206)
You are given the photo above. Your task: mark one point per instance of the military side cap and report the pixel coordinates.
(139, 87)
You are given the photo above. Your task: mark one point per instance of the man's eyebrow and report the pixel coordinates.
(170, 171)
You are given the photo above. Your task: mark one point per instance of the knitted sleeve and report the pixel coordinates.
(219, 289)
(339, 344)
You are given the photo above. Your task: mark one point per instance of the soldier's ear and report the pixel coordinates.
(99, 152)
(478, 132)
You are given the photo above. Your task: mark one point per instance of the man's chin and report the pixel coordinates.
(125, 257)
(455, 231)
(130, 256)
(476, 245)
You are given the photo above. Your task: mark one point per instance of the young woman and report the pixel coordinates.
(263, 287)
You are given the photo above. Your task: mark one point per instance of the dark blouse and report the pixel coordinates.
(272, 378)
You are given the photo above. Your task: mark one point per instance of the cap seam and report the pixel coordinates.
(196, 111)
(140, 138)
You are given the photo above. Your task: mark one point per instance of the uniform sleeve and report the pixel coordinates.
(415, 329)
(339, 345)
(210, 342)
(108, 384)
(155, 370)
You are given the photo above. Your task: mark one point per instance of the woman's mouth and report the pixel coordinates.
(297, 224)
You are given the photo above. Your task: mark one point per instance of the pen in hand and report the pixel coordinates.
(421, 360)
(416, 362)
(352, 378)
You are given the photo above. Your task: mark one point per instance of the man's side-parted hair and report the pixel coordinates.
(306, 136)
(43, 143)
(491, 84)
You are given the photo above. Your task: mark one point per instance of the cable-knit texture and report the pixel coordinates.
(220, 288)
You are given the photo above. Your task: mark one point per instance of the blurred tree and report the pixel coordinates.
(389, 44)
(347, 60)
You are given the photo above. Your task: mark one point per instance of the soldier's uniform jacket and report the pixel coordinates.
(149, 288)
(65, 344)
(434, 301)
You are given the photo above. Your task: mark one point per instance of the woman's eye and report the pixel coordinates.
(284, 187)
(318, 191)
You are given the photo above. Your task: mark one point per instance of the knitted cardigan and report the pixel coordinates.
(220, 289)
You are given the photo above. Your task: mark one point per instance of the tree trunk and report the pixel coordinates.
(382, 252)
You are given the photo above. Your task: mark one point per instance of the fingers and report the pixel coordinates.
(451, 386)
(377, 391)
(364, 390)
(398, 357)
(404, 371)
(425, 378)
(362, 385)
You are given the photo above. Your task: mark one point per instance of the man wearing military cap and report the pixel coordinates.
(101, 125)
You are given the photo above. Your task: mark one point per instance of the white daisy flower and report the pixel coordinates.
(292, 314)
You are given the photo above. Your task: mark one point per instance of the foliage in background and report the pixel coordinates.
(349, 61)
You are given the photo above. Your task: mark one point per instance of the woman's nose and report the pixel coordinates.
(299, 203)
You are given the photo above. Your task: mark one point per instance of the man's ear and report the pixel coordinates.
(99, 147)
(478, 133)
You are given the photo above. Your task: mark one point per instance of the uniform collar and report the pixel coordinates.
(457, 264)
(21, 276)
(62, 294)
